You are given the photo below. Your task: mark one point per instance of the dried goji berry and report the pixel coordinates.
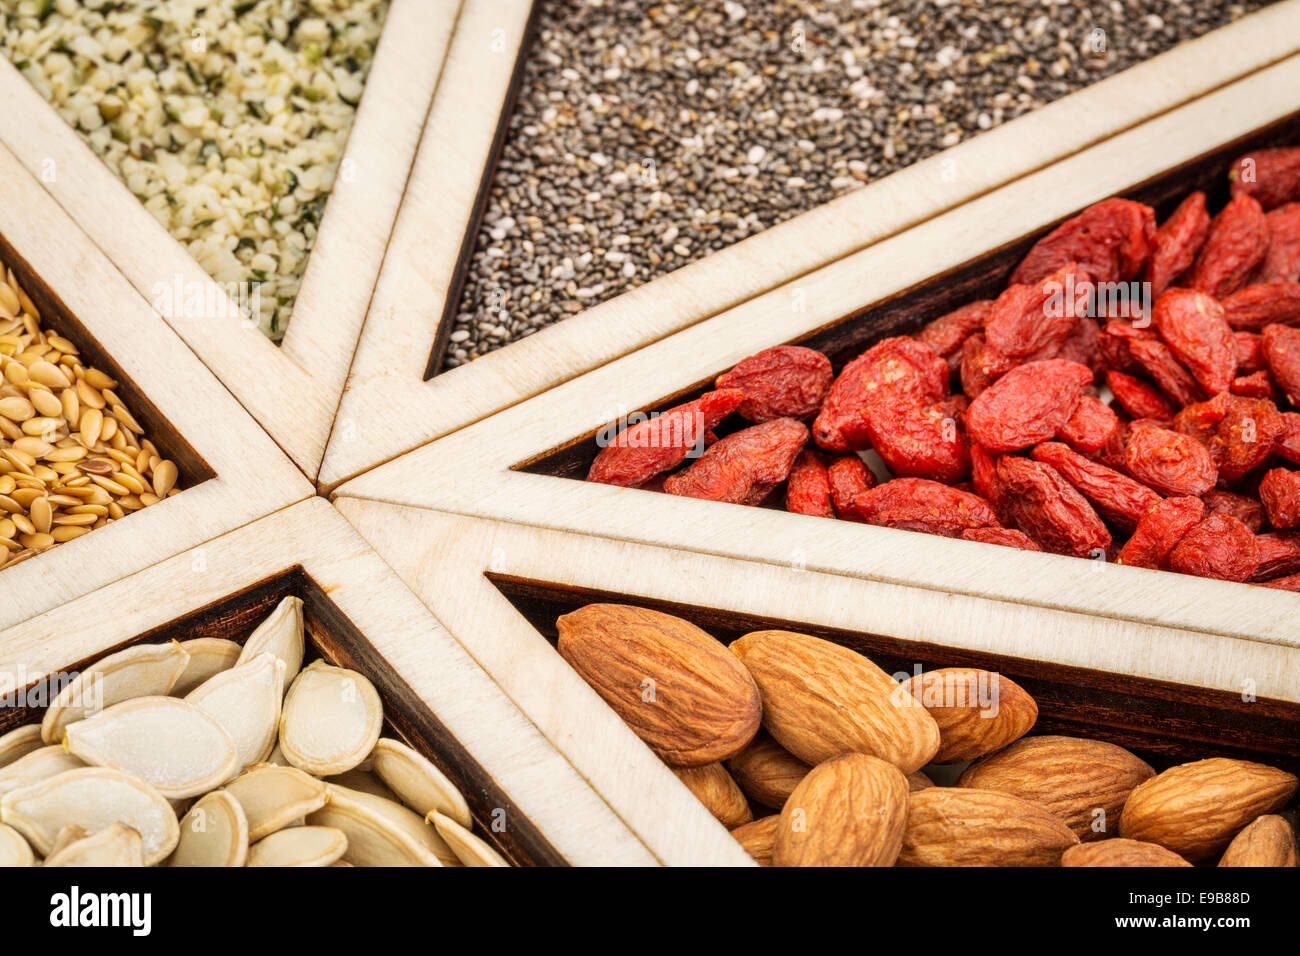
(1238, 432)
(918, 504)
(1278, 554)
(1272, 176)
(1083, 345)
(1159, 530)
(947, 333)
(1257, 385)
(1259, 305)
(808, 489)
(1282, 261)
(1007, 537)
(659, 444)
(1288, 442)
(895, 368)
(1289, 583)
(1032, 322)
(1282, 352)
(745, 466)
(1247, 510)
(1089, 426)
(1137, 398)
(920, 441)
(1236, 244)
(1219, 547)
(1110, 240)
(1178, 240)
(973, 377)
(1250, 353)
(1118, 498)
(1028, 405)
(984, 475)
(1112, 453)
(1158, 361)
(1045, 506)
(849, 478)
(1115, 346)
(1169, 462)
(1279, 490)
(787, 381)
(1193, 326)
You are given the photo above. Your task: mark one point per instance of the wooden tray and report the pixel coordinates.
(358, 615)
(510, 466)
(292, 390)
(231, 471)
(392, 404)
(499, 588)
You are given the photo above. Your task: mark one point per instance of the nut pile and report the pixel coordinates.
(194, 754)
(1131, 396)
(72, 457)
(811, 755)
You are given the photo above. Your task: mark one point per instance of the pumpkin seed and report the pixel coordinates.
(282, 635)
(245, 701)
(366, 782)
(208, 656)
(299, 846)
(115, 845)
(139, 671)
(169, 743)
(36, 766)
(417, 782)
(471, 850)
(93, 798)
(273, 797)
(19, 743)
(68, 836)
(381, 832)
(14, 849)
(213, 833)
(331, 720)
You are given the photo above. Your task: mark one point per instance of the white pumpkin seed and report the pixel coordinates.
(282, 635)
(139, 671)
(277, 755)
(213, 833)
(208, 656)
(299, 846)
(471, 850)
(93, 798)
(381, 832)
(14, 849)
(331, 720)
(417, 782)
(36, 766)
(67, 836)
(167, 742)
(273, 797)
(115, 845)
(19, 743)
(245, 701)
(365, 782)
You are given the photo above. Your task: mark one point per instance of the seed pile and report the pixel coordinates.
(650, 135)
(194, 754)
(227, 118)
(72, 457)
(811, 755)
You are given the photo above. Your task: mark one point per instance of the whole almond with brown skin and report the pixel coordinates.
(767, 772)
(821, 700)
(680, 690)
(953, 826)
(1072, 777)
(1266, 842)
(917, 780)
(758, 838)
(1195, 809)
(714, 788)
(1121, 852)
(848, 811)
(977, 711)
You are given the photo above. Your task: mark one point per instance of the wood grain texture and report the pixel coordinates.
(389, 402)
(246, 475)
(484, 478)
(292, 390)
(359, 614)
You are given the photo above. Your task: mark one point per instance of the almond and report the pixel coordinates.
(977, 711)
(953, 826)
(714, 788)
(848, 811)
(767, 772)
(1121, 852)
(1266, 842)
(917, 780)
(821, 700)
(1195, 809)
(680, 690)
(1084, 782)
(758, 837)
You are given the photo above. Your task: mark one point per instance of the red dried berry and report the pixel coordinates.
(1259, 305)
(659, 444)
(1159, 362)
(1291, 583)
(1028, 405)
(1032, 322)
(1193, 326)
(1178, 240)
(1007, 537)
(1278, 554)
(1119, 499)
(1279, 490)
(1110, 240)
(984, 475)
(973, 377)
(1272, 176)
(849, 478)
(1112, 454)
(920, 441)
(1089, 426)
(1084, 346)
(1288, 441)
(918, 504)
(787, 381)
(1137, 398)
(1238, 432)
(1236, 244)
(947, 333)
(1219, 547)
(1159, 530)
(1282, 261)
(1247, 510)
(1250, 353)
(1046, 507)
(1171, 463)
(744, 467)
(1257, 385)
(808, 489)
(896, 368)
(1282, 353)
